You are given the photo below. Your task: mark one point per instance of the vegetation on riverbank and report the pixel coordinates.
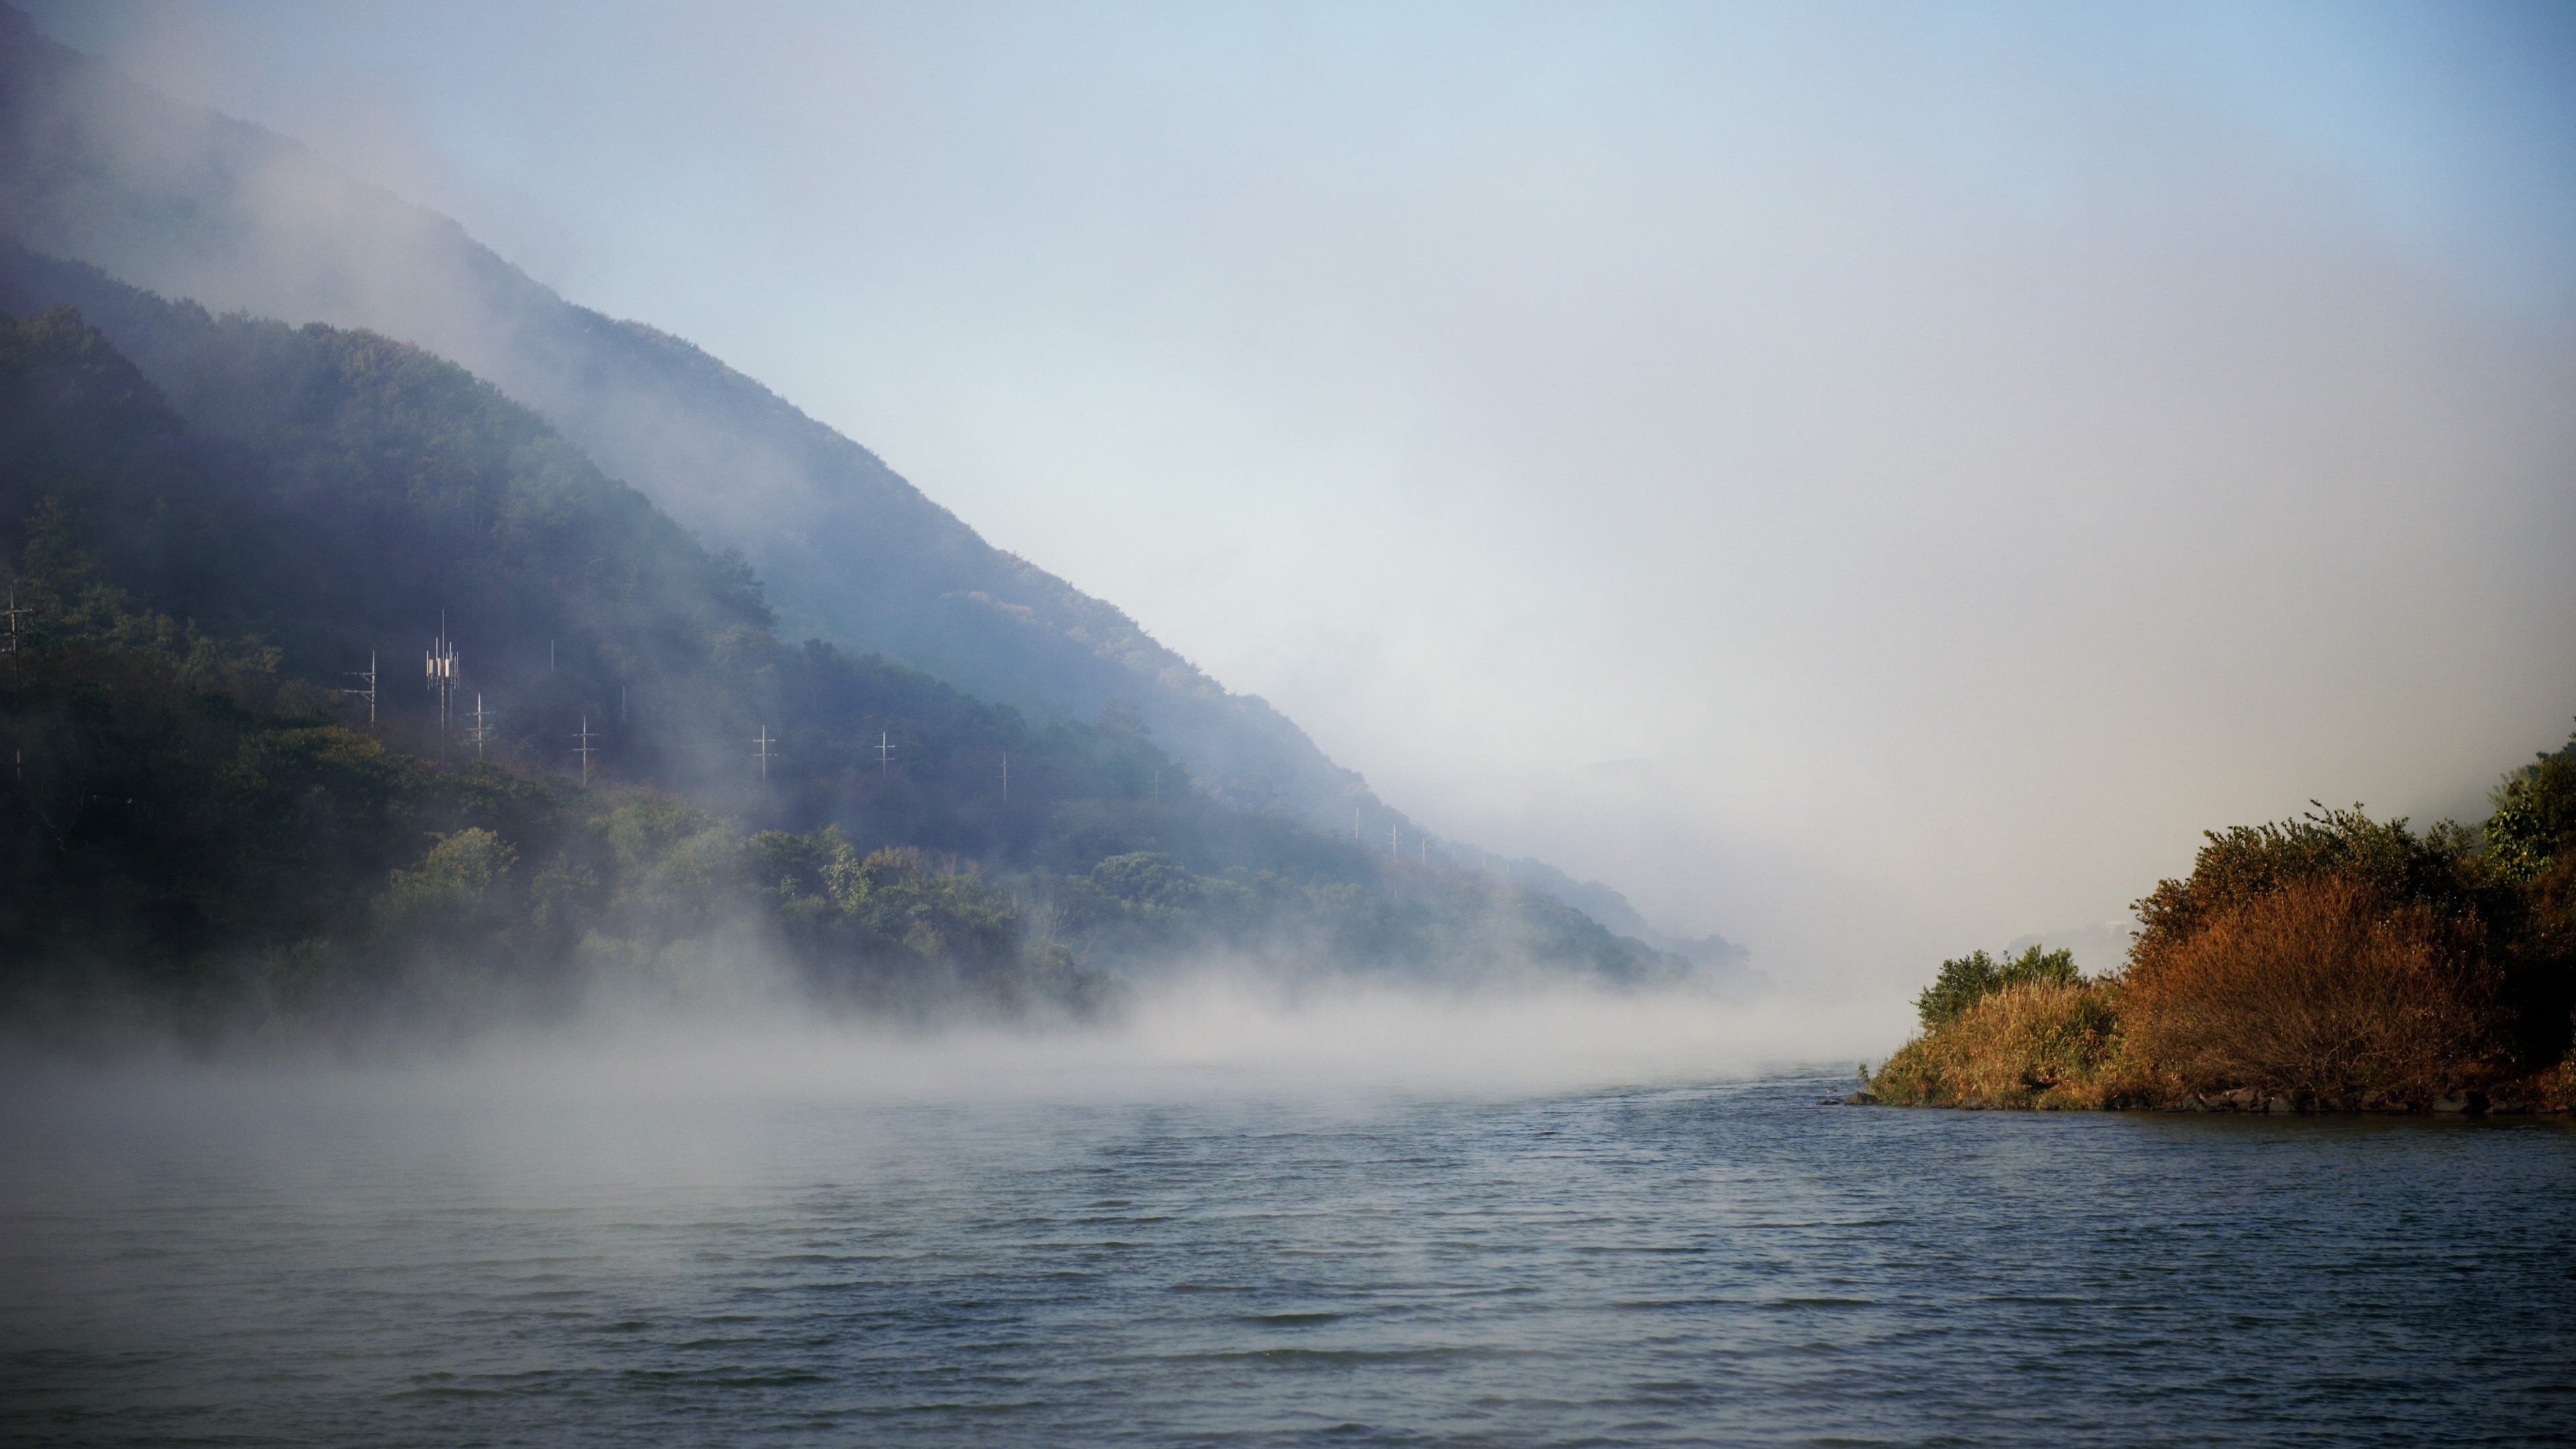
(2328, 963)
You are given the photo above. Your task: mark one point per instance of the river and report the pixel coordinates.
(1683, 1263)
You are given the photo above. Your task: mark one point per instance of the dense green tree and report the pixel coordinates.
(2535, 815)
(1966, 980)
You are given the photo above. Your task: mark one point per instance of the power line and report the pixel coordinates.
(481, 734)
(369, 693)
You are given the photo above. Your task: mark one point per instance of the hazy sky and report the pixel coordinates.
(1870, 480)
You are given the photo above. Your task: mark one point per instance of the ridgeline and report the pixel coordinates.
(215, 530)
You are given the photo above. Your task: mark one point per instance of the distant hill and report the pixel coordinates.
(191, 204)
(203, 541)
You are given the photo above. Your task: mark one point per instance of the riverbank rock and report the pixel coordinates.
(2471, 1103)
(1861, 1099)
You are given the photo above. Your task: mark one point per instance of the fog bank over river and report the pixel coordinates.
(742, 1035)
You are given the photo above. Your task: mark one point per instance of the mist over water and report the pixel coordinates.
(735, 1028)
(1025, 1239)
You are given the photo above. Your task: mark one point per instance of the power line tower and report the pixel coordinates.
(885, 756)
(481, 733)
(443, 675)
(764, 753)
(369, 693)
(582, 747)
(1391, 852)
(1006, 777)
(9, 645)
(1158, 787)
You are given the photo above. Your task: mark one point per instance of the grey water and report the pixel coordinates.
(1724, 1263)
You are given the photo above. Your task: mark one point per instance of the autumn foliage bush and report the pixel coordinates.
(2046, 1043)
(2332, 959)
(2325, 987)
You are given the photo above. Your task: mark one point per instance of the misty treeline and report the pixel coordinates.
(2331, 962)
(209, 540)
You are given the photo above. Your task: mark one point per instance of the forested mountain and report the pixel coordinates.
(192, 204)
(203, 551)
(188, 203)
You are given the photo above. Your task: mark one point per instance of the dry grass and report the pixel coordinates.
(2320, 987)
(2036, 1044)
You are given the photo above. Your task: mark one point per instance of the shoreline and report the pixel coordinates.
(2246, 1101)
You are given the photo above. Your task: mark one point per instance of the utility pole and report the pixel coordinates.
(1158, 787)
(10, 645)
(369, 693)
(482, 731)
(582, 747)
(763, 753)
(885, 756)
(1006, 777)
(443, 676)
(1391, 852)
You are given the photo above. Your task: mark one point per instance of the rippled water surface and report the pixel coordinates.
(1719, 1264)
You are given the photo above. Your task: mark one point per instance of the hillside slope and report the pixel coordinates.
(198, 552)
(192, 204)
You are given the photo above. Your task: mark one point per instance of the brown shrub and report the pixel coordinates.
(2044, 1044)
(2322, 986)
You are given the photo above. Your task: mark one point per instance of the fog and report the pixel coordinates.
(735, 1032)
(1870, 482)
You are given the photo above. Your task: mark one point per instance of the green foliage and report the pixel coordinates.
(1970, 978)
(1147, 880)
(456, 890)
(2535, 816)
